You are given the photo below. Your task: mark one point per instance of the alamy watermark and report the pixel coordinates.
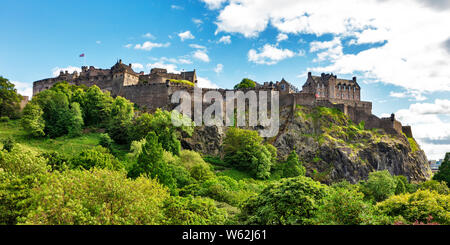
(223, 111)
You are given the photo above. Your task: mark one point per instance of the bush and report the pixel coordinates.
(98, 157)
(346, 207)
(22, 162)
(418, 206)
(8, 144)
(292, 201)
(244, 150)
(292, 167)
(379, 186)
(434, 185)
(56, 161)
(106, 141)
(32, 120)
(192, 211)
(96, 197)
(151, 162)
(4, 119)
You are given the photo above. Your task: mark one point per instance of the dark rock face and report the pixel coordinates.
(206, 140)
(329, 159)
(328, 155)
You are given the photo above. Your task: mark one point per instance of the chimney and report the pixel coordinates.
(120, 61)
(309, 74)
(129, 65)
(354, 79)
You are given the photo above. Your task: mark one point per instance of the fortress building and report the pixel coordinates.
(154, 90)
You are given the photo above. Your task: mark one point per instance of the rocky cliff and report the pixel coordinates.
(331, 147)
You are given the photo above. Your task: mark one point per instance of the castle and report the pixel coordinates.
(154, 90)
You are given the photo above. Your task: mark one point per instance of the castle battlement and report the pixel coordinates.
(154, 90)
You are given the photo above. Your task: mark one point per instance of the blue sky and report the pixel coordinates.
(399, 50)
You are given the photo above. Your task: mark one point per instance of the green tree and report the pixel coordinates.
(293, 167)
(245, 83)
(122, 112)
(151, 162)
(75, 125)
(344, 206)
(193, 211)
(401, 184)
(98, 157)
(9, 99)
(96, 106)
(379, 186)
(106, 141)
(434, 185)
(291, 201)
(32, 120)
(444, 170)
(95, 197)
(418, 206)
(244, 150)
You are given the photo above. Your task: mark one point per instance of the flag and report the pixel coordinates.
(82, 55)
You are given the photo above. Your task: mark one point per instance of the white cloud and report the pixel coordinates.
(196, 46)
(281, 37)
(180, 60)
(410, 36)
(218, 69)
(269, 55)
(25, 89)
(177, 7)
(197, 21)
(205, 83)
(128, 45)
(186, 35)
(201, 55)
(413, 95)
(70, 69)
(148, 35)
(137, 66)
(330, 50)
(214, 4)
(147, 46)
(172, 68)
(225, 40)
(429, 129)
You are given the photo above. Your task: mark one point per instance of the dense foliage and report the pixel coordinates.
(444, 170)
(9, 99)
(245, 83)
(245, 150)
(105, 162)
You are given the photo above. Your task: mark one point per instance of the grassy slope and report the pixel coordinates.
(63, 145)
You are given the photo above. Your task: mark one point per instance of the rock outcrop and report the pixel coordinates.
(331, 147)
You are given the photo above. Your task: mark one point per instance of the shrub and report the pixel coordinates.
(22, 162)
(98, 157)
(56, 161)
(201, 172)
(379, 186)
(8, 144)
(96, 197)
(244, 150)
(106, 141)
(434, 185)
(32, 120)
(192, 211)
(290, 201)
(418, 206)
(344, 207)
(293, 167)
(4, 119)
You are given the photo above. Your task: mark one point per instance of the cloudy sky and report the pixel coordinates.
(398, 49)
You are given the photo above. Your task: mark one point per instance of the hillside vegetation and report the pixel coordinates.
(79, 156)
